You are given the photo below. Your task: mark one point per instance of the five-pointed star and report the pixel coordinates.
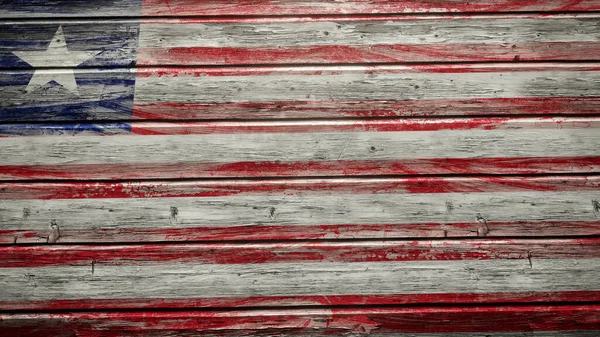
(57, 52)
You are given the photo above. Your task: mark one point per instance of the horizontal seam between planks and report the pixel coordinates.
(346, 17)
(300, 66)
(462, 239)
(306, 121)
(366, 178)
(292, 120)
(302, 309)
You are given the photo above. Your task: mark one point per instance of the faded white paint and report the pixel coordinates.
(302, 208)
(192, 280)
(356, 83)
(326, 84)
(299, 147)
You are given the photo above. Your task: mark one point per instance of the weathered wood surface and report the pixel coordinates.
(303, 40)
(125, 8)
(263, 149)
(300, 92)
(371, 39)
(299, 209)
(399, 272)
(99, 240)
(501, 321)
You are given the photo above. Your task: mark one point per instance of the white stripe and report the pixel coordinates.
(191, 280)
(299, 147)
(358, 85)
(302, 208)
(416, 32)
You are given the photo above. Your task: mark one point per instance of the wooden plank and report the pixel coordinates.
(112, 8)
(299, 209)
(299, 274)
(502, 321)
(299, 92)
(302, 40)
(361, 83)
(370, 39)
(329, 148)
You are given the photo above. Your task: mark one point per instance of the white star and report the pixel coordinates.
(56, 54)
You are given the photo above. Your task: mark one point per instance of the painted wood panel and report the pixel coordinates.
(293, 274)
(299, 209)
(502, 321)
(120, 8)
(106, 230)
(300, 40)
(299, 92)
(333, 148)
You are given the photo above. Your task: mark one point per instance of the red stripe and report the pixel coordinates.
(369, 53)
(322, 252)
(376, 69)
(308, 321)
(357, 126)
(389, 125)
(272, 7)
(446, 107)
(364, 125)
(306, 232)
(539, 165)
(149, 189)
(286, 301)
(265, 18)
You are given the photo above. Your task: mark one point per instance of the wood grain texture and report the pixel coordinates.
(358, 91)
(114, 8)
(292, 274)
(355, 83)
(370, 40)
(378, 39)
(301, 92)
(502, 321)
(299, 209)
(99, 248)
(263, 149)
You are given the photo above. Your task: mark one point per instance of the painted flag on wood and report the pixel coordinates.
(83, 72)
(410, 168)
(70, 82)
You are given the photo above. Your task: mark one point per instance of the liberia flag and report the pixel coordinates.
(423, 168)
